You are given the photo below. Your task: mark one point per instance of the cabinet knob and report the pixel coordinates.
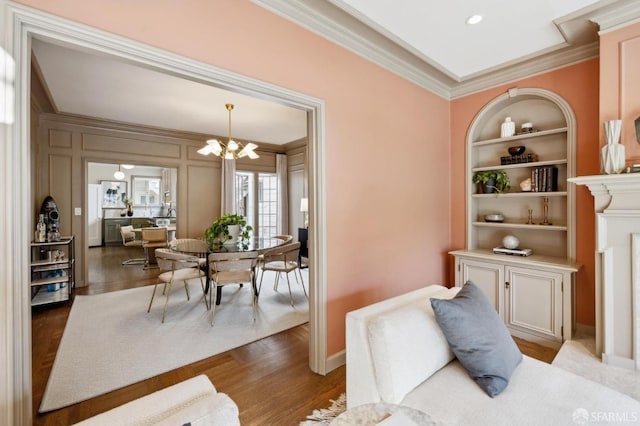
(506, 284)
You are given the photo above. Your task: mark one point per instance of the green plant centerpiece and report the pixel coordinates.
(492, 181)
(222, 230)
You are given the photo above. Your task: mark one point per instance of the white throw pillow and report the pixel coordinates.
(407, 347)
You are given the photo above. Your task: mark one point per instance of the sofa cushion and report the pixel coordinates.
(478, 338)
(407, 347)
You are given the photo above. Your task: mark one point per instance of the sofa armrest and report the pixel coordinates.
(361, 381)
(189, 401)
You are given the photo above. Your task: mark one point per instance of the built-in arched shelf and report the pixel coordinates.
(532, 292)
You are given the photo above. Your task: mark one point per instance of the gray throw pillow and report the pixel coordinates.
(478, 338)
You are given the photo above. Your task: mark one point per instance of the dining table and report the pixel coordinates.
(195, 247)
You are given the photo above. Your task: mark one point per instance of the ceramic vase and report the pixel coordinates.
(612, 157)
(234, 231)
(508, 128)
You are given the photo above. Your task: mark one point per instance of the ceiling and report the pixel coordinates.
(85, 83)
(426, 41)
(437, 31)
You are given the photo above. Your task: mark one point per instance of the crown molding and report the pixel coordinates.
(551, 61)
(337, 26)
(621, 14)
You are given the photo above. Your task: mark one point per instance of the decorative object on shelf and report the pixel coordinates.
(525, 185)
(544, 179)
(41, 230)
(304, 208)
(510, 242)
(530, 221)
(516, 150)
(127, 202)
(517, 159)
(637, 123)
(51, 214)
(227, 230)
(508, 128)
(612, 156)
(232, 150)
(526, 128)
(494, 217)
(492, 181)
(545, 203)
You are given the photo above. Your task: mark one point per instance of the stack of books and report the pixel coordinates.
(517, 159)
(544, 179)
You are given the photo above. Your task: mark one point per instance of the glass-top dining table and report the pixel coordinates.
(201, 248)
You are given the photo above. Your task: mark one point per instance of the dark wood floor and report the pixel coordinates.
(269, 379)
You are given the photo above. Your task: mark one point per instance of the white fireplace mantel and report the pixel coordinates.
(617, 209)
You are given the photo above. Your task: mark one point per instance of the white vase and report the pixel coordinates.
(612, 157)
(234, 231)
(508, 128)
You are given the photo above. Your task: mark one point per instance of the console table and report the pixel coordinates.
(303, 237)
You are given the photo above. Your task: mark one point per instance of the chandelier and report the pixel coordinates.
(232, 150)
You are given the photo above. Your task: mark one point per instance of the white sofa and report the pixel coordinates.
(194, 401)
(396, 353)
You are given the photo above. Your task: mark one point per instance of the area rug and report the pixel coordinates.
(110, 341)
(578, 356)
(325, 416)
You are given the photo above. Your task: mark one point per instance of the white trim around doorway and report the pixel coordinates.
(24, 23)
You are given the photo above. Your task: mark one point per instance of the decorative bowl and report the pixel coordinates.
(516, 150)
(494, 217)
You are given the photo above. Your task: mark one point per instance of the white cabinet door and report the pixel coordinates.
(488, 276)
(534, 301)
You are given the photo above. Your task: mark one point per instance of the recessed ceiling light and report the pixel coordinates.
(474, 19)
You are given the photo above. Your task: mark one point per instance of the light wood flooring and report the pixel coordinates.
(269, 379)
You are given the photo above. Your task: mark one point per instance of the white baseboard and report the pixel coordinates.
(336, 360)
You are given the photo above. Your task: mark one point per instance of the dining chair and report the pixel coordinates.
(176, 267)
(153, 238)
(232, 268)
(286, 238)
(129, 240)
(283, 259)
(192, 246)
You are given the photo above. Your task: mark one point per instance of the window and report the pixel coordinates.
(146, 190)
(265, 199)
(267, 204)
(244, 198)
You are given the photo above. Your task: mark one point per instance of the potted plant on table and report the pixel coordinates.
(492, 181)
(227, 229)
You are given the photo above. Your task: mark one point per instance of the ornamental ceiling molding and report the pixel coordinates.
(332, 23)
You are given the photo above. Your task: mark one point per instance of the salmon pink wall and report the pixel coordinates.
(620, 85)
(387, 140)
(578, 85)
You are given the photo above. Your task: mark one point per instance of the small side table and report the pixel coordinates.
(373, 414)
(303, 237)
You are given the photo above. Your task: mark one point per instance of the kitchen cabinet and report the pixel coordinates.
(52, 269)
(111, 234)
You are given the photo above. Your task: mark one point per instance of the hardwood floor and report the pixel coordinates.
(269, 379)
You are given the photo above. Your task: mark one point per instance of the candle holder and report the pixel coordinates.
(545, 202)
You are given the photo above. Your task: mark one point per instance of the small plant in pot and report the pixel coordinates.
(227, 229)
(492, 181)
